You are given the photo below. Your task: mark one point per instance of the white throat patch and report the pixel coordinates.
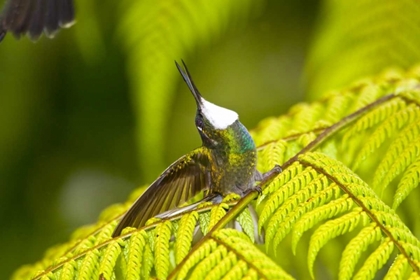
(218, 116)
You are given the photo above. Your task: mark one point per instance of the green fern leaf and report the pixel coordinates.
(305, 116)
(217, 213)
(47, 276)
(385, 130)
(254, 258)
(414, 275)
(278, 182)
(147, 262)
(213, 259)
(109, 259)
(163, 235)
(409, 113)
(400, 154)
(287, 215)
(69, 270)
(247, 223)
(135, 255)
(204, 220)
(271, 130)
(88, 267)
(409, 181)
(330, 230)
(205, 249)
(238, 271)
(233, 258)
(274, 152)
(354, 249)
(398, 268)
(184, 235)
(376, 260)
(327, 211)
(278, 197)
(104, 233)
(223, 268)
(405, 159)
(359, 39)
(337, 107)
(373, 118)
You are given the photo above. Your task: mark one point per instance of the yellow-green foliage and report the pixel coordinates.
(357, 38)
(342, 207)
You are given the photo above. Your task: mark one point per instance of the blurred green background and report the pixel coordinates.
(101, 109)
(68, 139)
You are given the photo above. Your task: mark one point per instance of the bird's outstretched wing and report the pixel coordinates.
(180, 182)
(35, 16)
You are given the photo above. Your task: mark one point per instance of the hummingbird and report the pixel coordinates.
(225, 163)
(34, 16)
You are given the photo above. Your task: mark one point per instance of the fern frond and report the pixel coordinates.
(205, 249)
(274, 152)
(204, 220)
(354, 249)
(88, 267)
(398, 268)
(409, 181)
(184, 236)
(135, 255)
(305, 116)
(359, 204)
(330, 230)
(271, 130)
(277, 198)
(385, 130)
(217, 213)
(222, 268)
(400, 154)
(293, 208)
(376, 260)
(319, 214)
(69, 270)
(109, 259)
(163, 234)
(213, 259)
(147, 262)
(373, 118)
(247, 224)
(405, 159)
(232, 256)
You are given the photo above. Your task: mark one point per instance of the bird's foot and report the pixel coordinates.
(271, 173)
(266, 177)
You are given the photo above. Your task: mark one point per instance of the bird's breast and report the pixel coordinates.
(233, 172)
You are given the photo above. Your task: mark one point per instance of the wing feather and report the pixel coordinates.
(181, 181)
(35, 16)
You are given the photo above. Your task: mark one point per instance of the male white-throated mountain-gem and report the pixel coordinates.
(225, 163)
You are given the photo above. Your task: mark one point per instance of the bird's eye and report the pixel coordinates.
(199, 122)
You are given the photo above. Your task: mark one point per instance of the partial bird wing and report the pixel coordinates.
(180, 182)
(35, 16)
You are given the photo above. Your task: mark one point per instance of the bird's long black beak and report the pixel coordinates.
(188, 80)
